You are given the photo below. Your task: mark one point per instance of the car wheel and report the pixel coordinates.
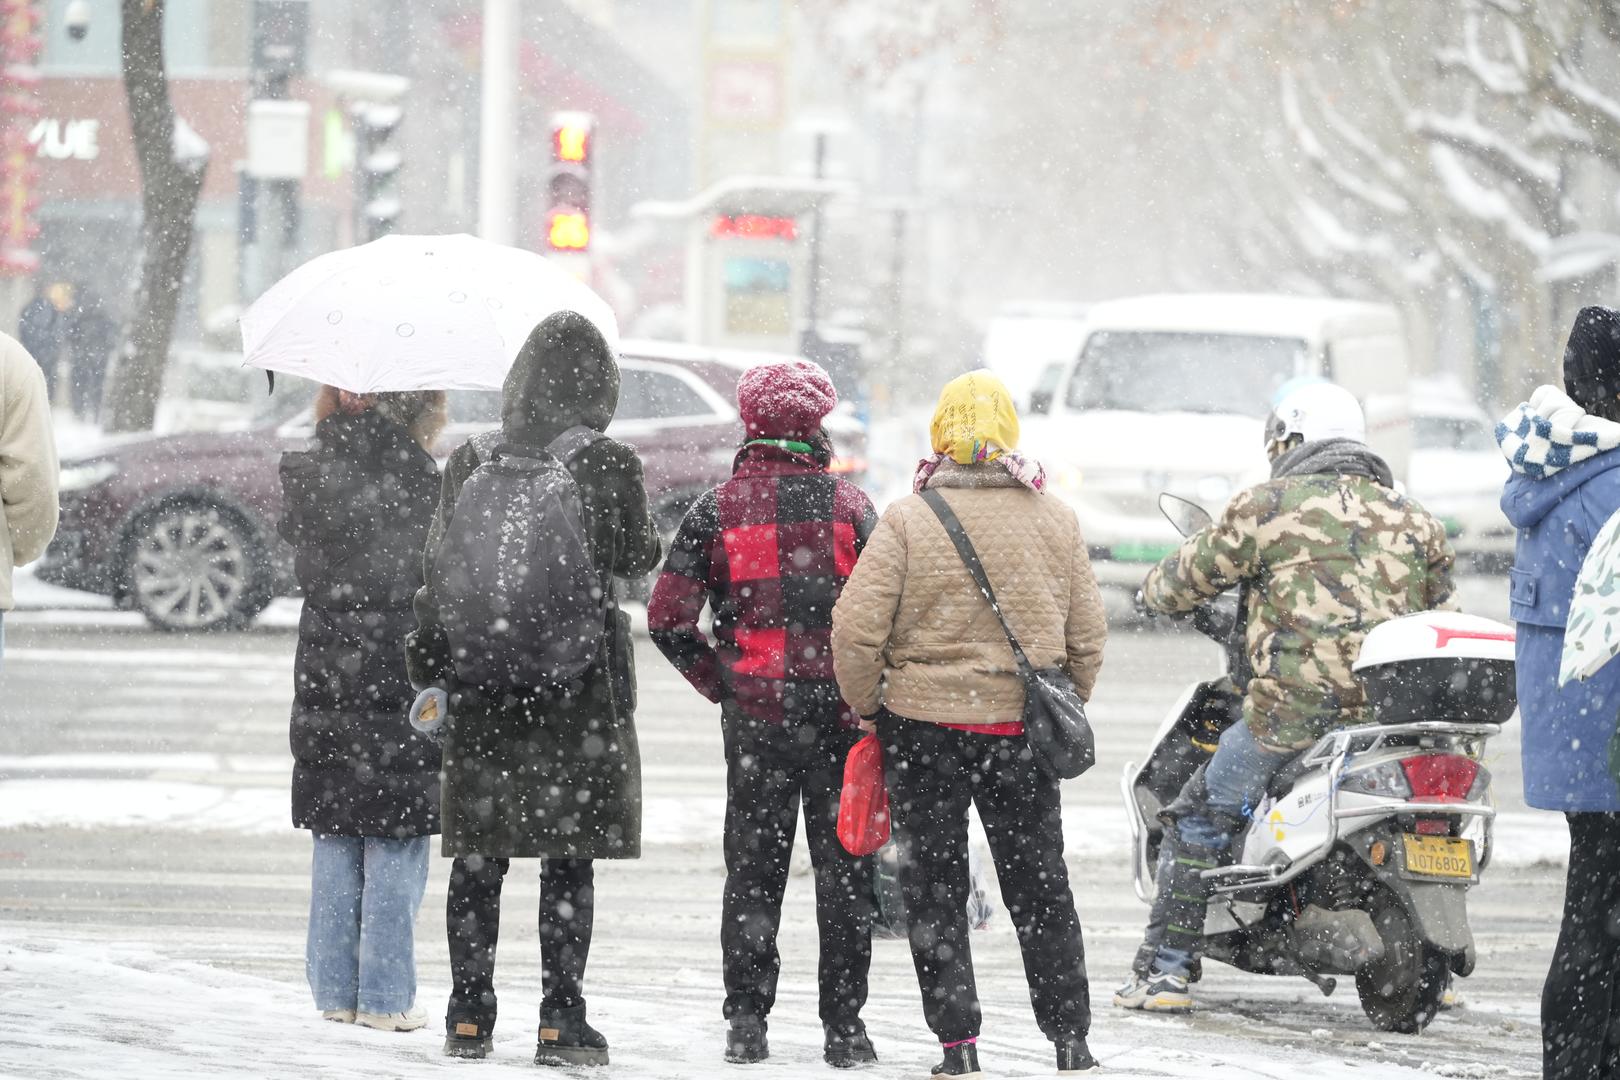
(195, 566)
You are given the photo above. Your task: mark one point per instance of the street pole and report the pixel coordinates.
(497, 124)
(810, 340)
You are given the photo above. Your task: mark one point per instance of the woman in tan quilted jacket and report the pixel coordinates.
(919, 654)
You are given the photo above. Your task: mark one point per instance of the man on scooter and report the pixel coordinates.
(1328, 549)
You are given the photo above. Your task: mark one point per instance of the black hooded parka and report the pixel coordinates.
(550, 775)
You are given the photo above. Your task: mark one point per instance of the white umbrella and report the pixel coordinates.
(412, 313)
(1592, 632)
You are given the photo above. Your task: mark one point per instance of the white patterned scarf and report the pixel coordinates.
(1549, 433)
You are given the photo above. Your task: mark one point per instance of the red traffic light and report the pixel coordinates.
(568, 230)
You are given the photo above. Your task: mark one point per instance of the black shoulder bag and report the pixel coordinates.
(1054, 716)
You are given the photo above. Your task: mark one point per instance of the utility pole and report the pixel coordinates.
(810, 340)
(272, 180)
(497, 124)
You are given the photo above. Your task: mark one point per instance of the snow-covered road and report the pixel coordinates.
(152, 899)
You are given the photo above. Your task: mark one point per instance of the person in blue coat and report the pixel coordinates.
(1564, 448)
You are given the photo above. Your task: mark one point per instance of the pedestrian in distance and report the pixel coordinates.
(356, 508)
(768, 552)
(1330, 512)
(517, 624)
(28, 470)
(920, 654)
(1564, 449)
(43, 330)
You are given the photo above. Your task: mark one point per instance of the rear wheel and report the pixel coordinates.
(195, 566)
(1402, 990)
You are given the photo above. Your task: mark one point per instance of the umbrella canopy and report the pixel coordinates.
(1592, 634)
(412, 313)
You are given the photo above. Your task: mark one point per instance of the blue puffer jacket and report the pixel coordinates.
(1568, 733)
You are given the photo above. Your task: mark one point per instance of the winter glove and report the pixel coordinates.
(1139, 602)
(428, 659)
(430, 712)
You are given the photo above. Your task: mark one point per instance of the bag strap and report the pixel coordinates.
(970, 559)
(573, 442)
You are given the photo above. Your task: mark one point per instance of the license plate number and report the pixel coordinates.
(1438, 856)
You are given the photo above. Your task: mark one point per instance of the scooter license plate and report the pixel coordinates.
(1438, 856)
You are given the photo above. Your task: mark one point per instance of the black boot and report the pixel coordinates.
(960, 1060)
(745, 1041)
(468, 1036)
(845, 1051)
(1073, 1056)
(566, 1039)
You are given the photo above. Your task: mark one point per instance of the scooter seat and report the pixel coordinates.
(1285, 778)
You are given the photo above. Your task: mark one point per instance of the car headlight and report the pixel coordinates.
(81, 475)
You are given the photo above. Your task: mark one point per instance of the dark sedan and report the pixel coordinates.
(182, 527)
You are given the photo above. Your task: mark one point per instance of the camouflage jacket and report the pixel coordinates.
(1327, 557)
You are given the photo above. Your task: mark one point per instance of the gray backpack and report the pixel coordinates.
(519, 594)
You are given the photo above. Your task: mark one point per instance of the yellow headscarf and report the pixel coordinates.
(975, 419)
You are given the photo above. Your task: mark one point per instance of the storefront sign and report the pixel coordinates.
(67, 140)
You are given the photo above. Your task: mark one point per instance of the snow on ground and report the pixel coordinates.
(76, 1009)
(227, 803)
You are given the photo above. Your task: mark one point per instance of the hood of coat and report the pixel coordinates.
(564, 376)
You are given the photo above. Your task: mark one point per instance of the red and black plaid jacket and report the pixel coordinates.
(769, 550)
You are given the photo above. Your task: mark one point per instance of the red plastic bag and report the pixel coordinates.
(863, 807)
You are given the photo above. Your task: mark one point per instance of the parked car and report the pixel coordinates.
(182, 527)
(1170, 393)
(1457, 471)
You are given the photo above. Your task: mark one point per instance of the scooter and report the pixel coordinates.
(1359, 860)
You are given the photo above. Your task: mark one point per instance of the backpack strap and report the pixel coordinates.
(573, 442)
(484, 445)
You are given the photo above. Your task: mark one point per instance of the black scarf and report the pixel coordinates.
(1335, 456)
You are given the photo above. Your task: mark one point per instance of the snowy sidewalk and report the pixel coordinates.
(79, 1008)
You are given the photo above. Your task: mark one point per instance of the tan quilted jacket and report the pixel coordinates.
(912, 632)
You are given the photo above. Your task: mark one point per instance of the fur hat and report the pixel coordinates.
(787, 400)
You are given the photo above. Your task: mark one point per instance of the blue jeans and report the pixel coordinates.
(364, 895)
(1235, 782)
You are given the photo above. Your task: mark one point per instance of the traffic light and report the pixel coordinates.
(568, 182)
(377, 164)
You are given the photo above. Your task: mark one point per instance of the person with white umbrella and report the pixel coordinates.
(531, 771)
(1564, 449)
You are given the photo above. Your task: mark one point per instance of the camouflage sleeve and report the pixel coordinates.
(1441, 591)
(1210, 562)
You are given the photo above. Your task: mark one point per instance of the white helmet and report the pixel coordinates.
(1315, 411)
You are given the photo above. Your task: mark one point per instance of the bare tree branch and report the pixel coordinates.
(173, 160)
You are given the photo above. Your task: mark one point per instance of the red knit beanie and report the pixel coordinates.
(786, 400)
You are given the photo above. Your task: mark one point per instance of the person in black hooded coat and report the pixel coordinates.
(357, 506)
(553, 776)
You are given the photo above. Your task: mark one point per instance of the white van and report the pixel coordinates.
(1170, 393)
(1031, 343)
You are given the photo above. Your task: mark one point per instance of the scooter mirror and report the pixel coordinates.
(1187, 517)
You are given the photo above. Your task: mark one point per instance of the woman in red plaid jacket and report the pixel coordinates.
(769, 551)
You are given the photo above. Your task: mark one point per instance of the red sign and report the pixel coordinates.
(20, 46)
(755, 226)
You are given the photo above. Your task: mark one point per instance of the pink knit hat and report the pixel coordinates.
(785, 401)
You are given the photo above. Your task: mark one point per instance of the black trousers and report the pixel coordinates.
(933, 774)
(1580, 1005)
(473, 919)
(769, 771)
